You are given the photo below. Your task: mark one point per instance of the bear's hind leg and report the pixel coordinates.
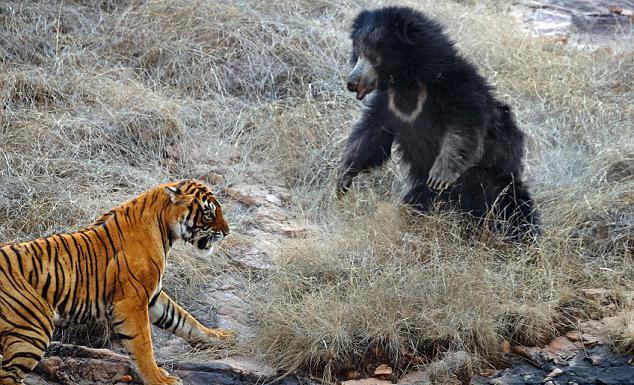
(421, 198)
(505, 207)
(516, 211)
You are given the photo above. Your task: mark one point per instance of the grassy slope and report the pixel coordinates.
(104, 99)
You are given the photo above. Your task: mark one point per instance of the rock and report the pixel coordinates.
(80, 371)
(555, 373)
(254, 259)
(596, 360)
(273, 199)
(276, 220)
(601, 296)
(213, 366)
(293, 231)
(414, 378)
(214, 178)
(249, 367)
(561, 347)
(583, 22)
(204, 378)
(597, 365)
(270, 215)
(230, 372)
(589, 340)
(249, 201)
(573, 336)
(383, 370)
(245, 199)
(531, 353)
(366, 381)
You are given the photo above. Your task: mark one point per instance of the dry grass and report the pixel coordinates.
(102, 99)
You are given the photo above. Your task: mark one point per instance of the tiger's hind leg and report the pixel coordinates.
(20, 355)
(26, 327)
(168, 315)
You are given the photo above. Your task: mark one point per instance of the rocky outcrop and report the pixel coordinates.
(581, 22)
(582, 357)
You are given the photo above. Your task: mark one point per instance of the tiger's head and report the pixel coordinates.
(198, 215)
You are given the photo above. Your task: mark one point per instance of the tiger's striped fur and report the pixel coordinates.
(111, 269)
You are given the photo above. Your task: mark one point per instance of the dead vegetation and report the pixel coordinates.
(102, 99)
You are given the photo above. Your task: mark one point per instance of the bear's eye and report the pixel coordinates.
(373, 59)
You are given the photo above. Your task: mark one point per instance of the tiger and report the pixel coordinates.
(109, 270)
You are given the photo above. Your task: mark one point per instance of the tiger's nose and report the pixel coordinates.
(225, 231)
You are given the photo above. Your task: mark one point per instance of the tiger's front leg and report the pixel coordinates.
(131, 322)
(168, 315)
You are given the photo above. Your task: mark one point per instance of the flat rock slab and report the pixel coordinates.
(79, 365)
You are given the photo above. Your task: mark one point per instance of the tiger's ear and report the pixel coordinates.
(174, 193)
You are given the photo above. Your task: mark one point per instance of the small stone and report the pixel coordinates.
(215, 178)
(231, 192)
(562, 347)
(383, 370)
(248, 201)
(589, 340)
(597, 360)
(573, 336)
(531, 353)
(241, 197)
(293, 231)
(506, 347)
(416, 377)
(555, 373)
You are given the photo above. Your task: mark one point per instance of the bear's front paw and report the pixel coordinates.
(440, 177)
(343, 184)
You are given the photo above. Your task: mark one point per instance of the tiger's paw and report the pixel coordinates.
(225, 335)
(167, 380)
(215, 338)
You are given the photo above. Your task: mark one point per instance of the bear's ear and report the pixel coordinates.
(359, 21)
(408, 30)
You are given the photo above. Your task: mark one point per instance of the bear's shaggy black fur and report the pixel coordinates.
(462, 145)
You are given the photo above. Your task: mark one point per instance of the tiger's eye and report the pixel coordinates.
(209, 214)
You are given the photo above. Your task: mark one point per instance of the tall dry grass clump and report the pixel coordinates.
(102, 99)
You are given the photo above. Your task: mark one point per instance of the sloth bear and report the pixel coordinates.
(462, 145)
